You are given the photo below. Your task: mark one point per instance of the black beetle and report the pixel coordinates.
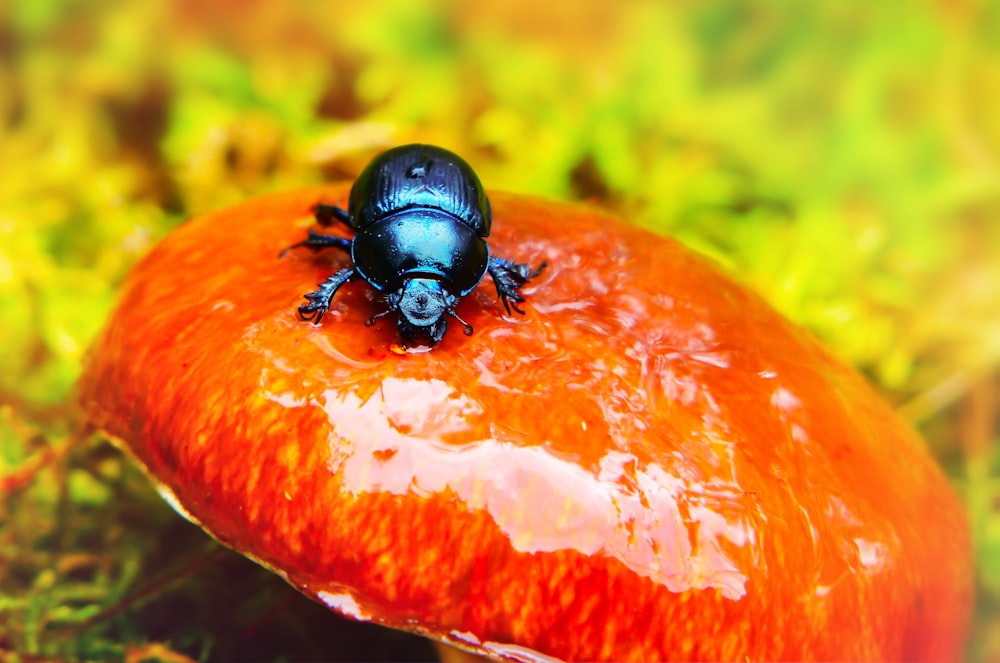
(420, 216)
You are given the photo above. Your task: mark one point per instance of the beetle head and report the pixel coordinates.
(424, 301)
(422, 304)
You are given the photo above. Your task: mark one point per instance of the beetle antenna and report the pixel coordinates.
(468, 328)
(371, 321)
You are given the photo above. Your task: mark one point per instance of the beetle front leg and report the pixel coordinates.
(319, 300)
(326, 214)
(509, 277)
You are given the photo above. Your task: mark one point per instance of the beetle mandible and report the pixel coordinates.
(420, 216)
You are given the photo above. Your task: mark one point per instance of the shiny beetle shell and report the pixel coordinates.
(421, 217)
(425, 176)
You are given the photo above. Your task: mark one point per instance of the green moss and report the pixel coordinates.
(838, 156)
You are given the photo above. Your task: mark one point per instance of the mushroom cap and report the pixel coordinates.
(651, 464)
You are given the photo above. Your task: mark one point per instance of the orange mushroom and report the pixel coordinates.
(651, 464)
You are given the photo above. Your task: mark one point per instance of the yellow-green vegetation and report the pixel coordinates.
(842, 157)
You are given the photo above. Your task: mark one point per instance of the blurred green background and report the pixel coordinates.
(842, 157)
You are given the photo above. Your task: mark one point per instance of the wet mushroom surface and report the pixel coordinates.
(650, 464)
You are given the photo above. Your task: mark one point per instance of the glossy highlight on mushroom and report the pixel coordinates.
(651, 465)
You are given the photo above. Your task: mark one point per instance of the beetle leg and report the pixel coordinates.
(326, 214)
(319, 300)
(408, 332)
(411, 334)
(509, 277)
(318, 241)
(437, 330)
